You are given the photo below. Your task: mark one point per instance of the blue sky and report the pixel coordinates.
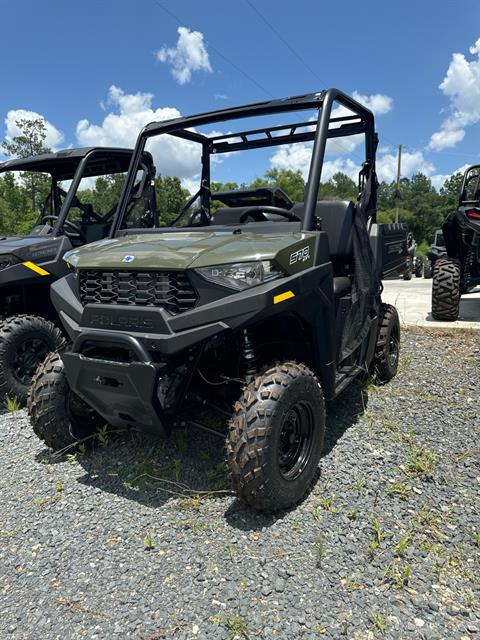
(61, 59)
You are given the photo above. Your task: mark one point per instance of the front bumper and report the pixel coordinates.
(125, 393)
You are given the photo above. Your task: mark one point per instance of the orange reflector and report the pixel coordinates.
(36, 268)
(283, 296)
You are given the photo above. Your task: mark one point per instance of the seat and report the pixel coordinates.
(337, 220)
(229, 215)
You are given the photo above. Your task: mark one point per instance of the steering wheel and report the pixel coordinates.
(257, 212)
(74, 229)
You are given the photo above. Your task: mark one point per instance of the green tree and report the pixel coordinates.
(339, 187)
(171, 197)
(30, 142)
(450, 191)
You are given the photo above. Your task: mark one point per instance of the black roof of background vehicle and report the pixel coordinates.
(63, 164)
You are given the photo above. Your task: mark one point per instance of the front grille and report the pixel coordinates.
(169, 289)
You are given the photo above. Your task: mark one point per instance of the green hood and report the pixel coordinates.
(183, 250)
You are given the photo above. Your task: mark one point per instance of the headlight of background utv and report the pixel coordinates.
(71, 258)
(241, 275)
(8, 260)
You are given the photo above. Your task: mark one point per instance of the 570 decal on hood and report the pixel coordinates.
(302, 255)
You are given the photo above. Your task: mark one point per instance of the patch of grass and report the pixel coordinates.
(320, 630)
(102, 436)
(179, 441)
(177, 468)
(421, 462)
(11, 404)
(378, 620)
(59, 486)
(398, 573)
(427, 523)
(377, 534)
(351, 584)
(190, 502)
(359, 483)
(142, 476)
(320, 550)
(148, 543)
(476, 538)
(40, 503)
(317, 514)
(327, 503)
(399, 489)
(352, 513)
(401, 547)
(218, 475)
(237, 627)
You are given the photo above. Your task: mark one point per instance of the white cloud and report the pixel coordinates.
(298, 156)
(53, 137)
(378, 103)
(461, 85)
(413, 162)
(121, 126)
(190, 54)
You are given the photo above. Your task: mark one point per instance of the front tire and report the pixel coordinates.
(446, 289)
(58, 416)
(387, 349)
(25, 342)
(275, 437)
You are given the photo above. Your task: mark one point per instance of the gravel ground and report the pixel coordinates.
(387, 545)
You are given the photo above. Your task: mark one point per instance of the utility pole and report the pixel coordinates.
(397, 190)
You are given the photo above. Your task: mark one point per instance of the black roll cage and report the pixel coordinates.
(361, 122)
(466, 179)
(74, 164)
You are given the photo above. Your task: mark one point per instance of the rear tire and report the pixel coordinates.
(427, 270)
(275, 438)
(446, 289)
(58, 416)
(25, 341)
(387, 349)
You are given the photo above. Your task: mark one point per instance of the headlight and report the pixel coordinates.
(71, 258)
(241, 275)
(8, 260)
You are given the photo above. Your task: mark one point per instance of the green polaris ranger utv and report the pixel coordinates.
(29, 323)
(269, 306)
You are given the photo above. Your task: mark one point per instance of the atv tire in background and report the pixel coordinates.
(58, 416)
(446, 289)
(427, 270)
(275, 438)
(387, 349)
(25, 341)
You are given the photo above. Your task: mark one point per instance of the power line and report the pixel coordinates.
(217, 51)
(285, 42)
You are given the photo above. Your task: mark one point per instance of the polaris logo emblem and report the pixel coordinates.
(124, 323)
(302, 255)
(128, 258)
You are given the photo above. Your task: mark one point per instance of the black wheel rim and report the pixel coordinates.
(296, 440)
(393, 349)
(28, 355)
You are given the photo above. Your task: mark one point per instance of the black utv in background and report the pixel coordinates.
(437, 250)
(29, 324)
(458, 272)
(262, 311)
